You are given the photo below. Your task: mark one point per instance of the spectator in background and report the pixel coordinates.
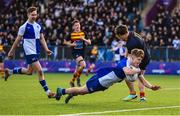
(176, 46)
(94, 15)
(156, 51)
(176, 42)
(98, 18)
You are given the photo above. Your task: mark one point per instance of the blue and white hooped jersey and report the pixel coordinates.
(118, 50)
(114, 46)
(110, 75)
(31, 37)
(122, 51)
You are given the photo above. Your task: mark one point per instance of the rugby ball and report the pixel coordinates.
(133, 77)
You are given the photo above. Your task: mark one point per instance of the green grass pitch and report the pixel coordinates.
(23, 95)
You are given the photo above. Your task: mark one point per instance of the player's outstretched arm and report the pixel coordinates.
(148, 84)
(14, 46)
(43, 42)
(131, 71)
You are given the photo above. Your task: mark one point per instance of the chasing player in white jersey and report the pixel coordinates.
(31, 33)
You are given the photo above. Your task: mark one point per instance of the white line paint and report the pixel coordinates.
(125, 110)
(171, 89)
(166, 89)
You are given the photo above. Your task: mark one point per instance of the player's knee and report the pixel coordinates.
(141, 87)
(40, 72)
(83, 64)
(82, 91)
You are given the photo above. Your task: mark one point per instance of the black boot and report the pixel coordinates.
(70, 96)
(71, 84)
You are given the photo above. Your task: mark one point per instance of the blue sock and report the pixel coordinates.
(63, 91)
(17, 71)
(44, 85)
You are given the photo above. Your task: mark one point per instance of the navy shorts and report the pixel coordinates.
(92, 60)
(31, 58)
(76, 54)
(93, 84)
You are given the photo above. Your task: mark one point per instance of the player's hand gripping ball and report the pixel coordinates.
(133, 77)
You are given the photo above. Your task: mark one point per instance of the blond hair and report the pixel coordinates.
(137, 52)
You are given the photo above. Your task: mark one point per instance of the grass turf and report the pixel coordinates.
(23, 95)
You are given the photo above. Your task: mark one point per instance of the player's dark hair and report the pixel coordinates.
(31, 9)
(137, 52)
(121, 30)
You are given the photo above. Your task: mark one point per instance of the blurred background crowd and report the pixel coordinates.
(98, 19)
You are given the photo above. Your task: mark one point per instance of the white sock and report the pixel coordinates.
(48, 92)
(10, 72)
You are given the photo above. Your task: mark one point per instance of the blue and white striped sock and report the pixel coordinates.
(17, 70)
(45, 87)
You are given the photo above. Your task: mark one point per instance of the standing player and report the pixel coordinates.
(106, 77)
(134, 40)
(2, 55)
(77, 39)
(92, 59)
(31, 33)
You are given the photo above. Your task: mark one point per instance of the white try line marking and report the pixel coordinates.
(166, 89)
(125, 110)
(171, 89)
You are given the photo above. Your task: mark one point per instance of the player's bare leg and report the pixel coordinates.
(2, 69)
(132, 94)
(21, 70)
(71, 92)
(75, 75)
(37, 66)
(6, 74)
(81, 64)
(141, 88)
(81, 67)
(91, 67)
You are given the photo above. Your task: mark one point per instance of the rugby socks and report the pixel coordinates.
(2, 73)
(74, 77)
(89, 70)
(72, 80)
(133, 93)
(142, 94)
(63, 91)
(17, 71)
(45, 87)
(79, 71)
(77, 74)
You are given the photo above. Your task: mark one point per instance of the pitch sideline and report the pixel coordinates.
(125, 110)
